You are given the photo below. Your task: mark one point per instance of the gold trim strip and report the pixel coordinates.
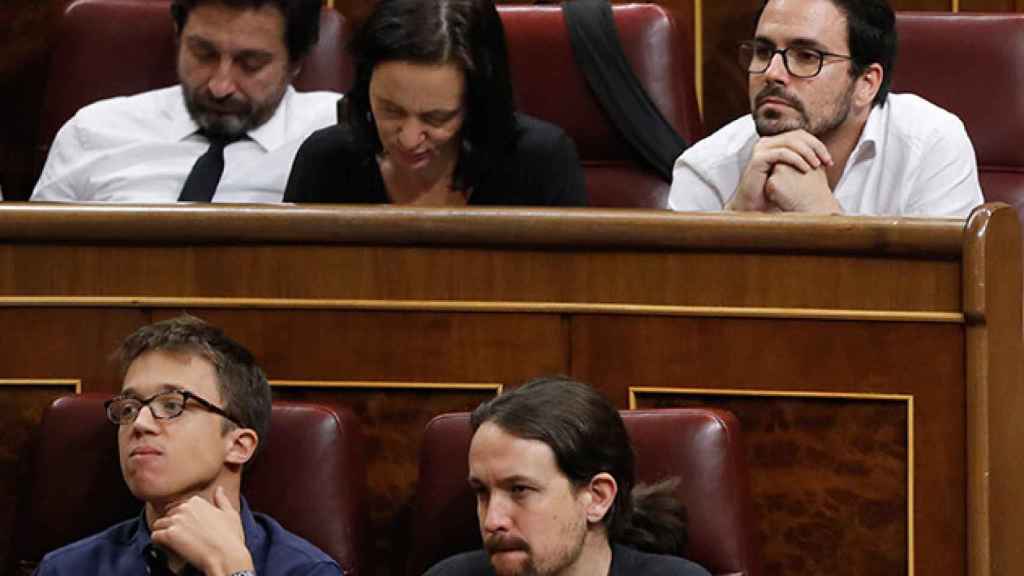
(485, 306)
(55, 382)
(908, 398)
(956, 6)
(369, 384)
(698, 53)
(633, 390)
(910, 484)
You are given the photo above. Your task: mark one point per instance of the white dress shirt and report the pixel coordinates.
(141, 148)
(913, 159)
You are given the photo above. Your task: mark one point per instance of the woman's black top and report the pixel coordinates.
(541, 169)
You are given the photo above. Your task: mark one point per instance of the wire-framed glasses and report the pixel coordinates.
(756, 56)
(170, 404)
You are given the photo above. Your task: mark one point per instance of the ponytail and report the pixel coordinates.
(657, 523)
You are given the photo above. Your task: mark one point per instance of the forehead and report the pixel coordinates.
(418, 87)
(817, 21)
(158, 370)
(495, 455)
(236, 29)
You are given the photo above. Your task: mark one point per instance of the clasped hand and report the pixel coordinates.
(207, 535)
(786, 172)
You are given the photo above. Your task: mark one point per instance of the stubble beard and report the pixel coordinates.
(242, 117)
(771, 123)
(565, 557)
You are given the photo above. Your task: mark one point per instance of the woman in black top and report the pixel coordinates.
(430, 119)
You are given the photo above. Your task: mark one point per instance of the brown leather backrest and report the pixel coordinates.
(549, 85)
(108, 48)
(702, 447)
(973, 66)
(311, 477)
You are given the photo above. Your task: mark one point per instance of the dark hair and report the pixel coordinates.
(588, 437)
(241, 383)
(467, 33)
(301, 19)
(872, 36)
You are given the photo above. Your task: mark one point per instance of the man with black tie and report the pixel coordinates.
(227, 133)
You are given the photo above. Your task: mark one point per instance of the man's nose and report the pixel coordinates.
(145, 421)
(222, 84)
(776, 70)
(494, 516)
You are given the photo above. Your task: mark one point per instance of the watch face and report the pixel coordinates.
(244, 573)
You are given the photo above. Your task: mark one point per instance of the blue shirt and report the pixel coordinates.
(124, 548)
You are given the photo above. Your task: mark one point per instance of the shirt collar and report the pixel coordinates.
(871, 136)
(270, 135)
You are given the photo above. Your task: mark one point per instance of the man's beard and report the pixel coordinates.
(820, 128)
(565, 557)
(230, 117)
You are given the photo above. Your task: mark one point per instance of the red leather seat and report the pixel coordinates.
(702, 447)
(311, 477)
(973, 66)
(108, 48)
(549, 85)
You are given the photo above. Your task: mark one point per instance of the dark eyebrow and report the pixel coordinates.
(796, 43)
(808, 43)
(200, 42)
(263, 54)
(166, 387)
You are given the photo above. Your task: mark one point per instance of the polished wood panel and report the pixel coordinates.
(828, 475)
(991, 5)
(928, 309)
(393, 422)
(812, 357)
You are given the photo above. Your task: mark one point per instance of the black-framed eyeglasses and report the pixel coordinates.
(755, 57)
(170, 404)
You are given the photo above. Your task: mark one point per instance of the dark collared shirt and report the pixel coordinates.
(126, 549)
(625, 562)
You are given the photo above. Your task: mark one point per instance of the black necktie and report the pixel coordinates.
(205, 175)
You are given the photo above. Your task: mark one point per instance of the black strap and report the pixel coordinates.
(206, 172)
(595, 44)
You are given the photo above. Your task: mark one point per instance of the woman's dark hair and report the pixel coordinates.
(301, 19)
(872, 36)
(467, 33)
(588, 437)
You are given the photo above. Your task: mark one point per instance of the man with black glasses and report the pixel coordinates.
(192, 412)
(824, 134)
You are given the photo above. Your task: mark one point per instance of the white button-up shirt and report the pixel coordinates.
(913, 159)
(141, 148)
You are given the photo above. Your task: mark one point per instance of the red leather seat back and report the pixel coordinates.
(108, 48)
(973, 66)
(311, 477)
(702, 447)
(549, 85)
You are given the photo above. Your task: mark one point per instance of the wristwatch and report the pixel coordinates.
(244, 573)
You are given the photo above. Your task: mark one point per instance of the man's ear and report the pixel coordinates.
(868, 84)
(242, 443)
(601, 492)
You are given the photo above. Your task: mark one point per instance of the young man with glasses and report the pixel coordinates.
(824, 134)
(192, 412)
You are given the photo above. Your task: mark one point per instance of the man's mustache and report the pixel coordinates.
(779, 93)
(497, 544)
(228, 105)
